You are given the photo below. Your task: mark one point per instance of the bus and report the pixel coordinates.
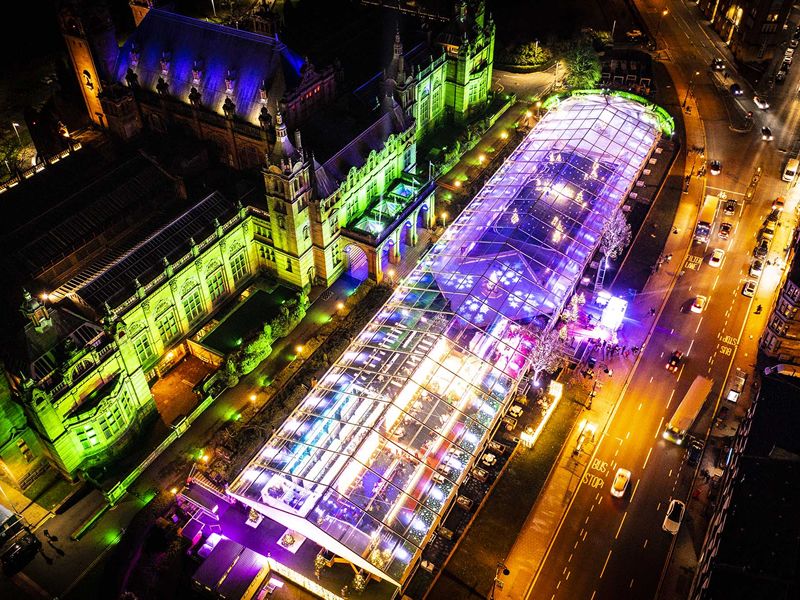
(705, 220)
(688, 409)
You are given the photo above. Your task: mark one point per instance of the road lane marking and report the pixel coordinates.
(670, 398)
(635, 487)
(644, 466)
(567, 577)
(594, 592)
(564, 571)
(690, 347)
(670, 473)
(658, 429)
(575, 546)
(645, 544)
(586, 520)
(700, 322)
(605, 564)
(640, 406)
(570, 557)
(628, 435)
(658, 508)
(625, 514)
(584, 535)
(630, 585)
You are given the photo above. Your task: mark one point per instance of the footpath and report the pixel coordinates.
(530, 549)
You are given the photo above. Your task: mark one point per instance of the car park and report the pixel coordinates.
(716, 257)
(699, 304)
(736, 89)
(489, 459)
(756, 268)
(749, 288)
(695, 452)
(761, 102)
(674, 361)
(515, 411)
(730, 207)
(715, 167)
(725, 229)
(778, 203)
(674, 516)
(621, 482)
(766, 134)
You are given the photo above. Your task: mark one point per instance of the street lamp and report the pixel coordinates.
(214, 8)
(16, 130)
(444, 219)
(501, 569)
(538, 108)
(689, 89)
(664, 13)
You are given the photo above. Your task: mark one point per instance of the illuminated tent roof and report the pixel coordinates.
(367, 462)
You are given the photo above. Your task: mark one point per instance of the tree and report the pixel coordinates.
(583, 66)
(10, 149)
(546, 355)
(616, 235)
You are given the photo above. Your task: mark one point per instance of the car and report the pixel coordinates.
(699, 304)
(778, 203)
(796, 34)
(634, 35)
(621, 481)
(715, 167)
(725, 229)
(510, 423)
(767, 232)
(674, 361)
(481, 475)
(515, 411)
(464, 502)
(794, 42)
(716, 257)
(766, 134)
(718, 64)
(787, 61)
(749, 288)
(784, 68)
(756, 268)
(489, 459)
(730, 207)
(789, 53)
(772, 217)
(736, 89)
(674, 516)
(780, 76)
(497, 448)
(695, 452)
(20, 553)
(761, 102)
(762, 249)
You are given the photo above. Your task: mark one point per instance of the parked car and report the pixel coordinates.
(20, 553)
(730, 207)
(762, 249)
(515, 411)
(715, 167)
(716, 257)
(766, 134)
(767, 232)
(736, 89)
(695, 452)
(789, 53)
(674, 516)
(794, 43)
(780, 76)
(489, 459)
(621, 481)
(674, 361)
(772, 217)
(749, 288)
(480, 474)
(464, 502)
(634, 35)
(756, 268)
(699, 304)
(761, 102)
(725, 230)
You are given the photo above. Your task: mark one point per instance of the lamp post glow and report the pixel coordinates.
(214, 8)
(16, 130)
(664, 13)
(444, 219)
(689, 89)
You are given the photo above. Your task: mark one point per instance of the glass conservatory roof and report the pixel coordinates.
(369, 459)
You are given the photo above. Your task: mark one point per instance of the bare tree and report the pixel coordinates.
(546, 355)
(616, 235)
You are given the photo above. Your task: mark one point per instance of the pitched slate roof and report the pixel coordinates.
(330, 174)
(188, 44)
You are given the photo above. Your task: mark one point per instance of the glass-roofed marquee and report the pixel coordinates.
(370, 459)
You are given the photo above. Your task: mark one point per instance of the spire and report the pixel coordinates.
(283, 151)
(398, 45)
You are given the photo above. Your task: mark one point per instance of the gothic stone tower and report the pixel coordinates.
(91, 42)
(287, 179)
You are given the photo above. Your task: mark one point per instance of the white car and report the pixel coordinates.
(699, 304)
(761, 102)
(756, 268)
(515, 411)
(489, 459)
(621, 481)
(672, 521)
(749, 288)
(716, 257)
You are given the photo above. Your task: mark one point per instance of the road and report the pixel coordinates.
(616, 548)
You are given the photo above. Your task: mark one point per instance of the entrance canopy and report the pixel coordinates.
(370, 459)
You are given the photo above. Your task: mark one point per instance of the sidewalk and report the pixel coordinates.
(530, 549)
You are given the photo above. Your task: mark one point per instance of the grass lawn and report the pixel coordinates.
(259, 308)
